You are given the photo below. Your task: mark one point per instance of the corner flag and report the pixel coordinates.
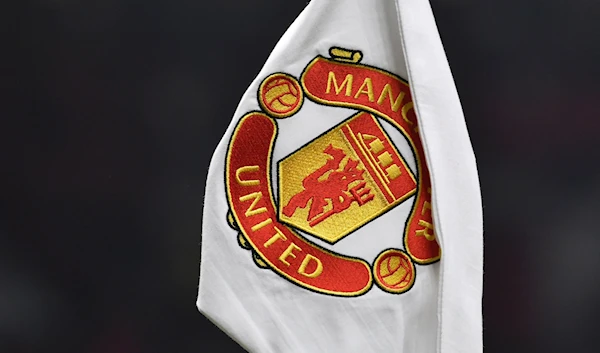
(342, 209)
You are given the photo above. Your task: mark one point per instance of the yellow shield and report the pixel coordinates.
(343, 179)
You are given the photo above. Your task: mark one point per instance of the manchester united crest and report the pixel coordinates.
(336, 183)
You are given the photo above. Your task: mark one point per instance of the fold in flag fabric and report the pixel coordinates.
(342, 209)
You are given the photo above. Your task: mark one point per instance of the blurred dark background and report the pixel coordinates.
(111, 110)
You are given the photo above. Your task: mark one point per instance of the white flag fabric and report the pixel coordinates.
(342, 209)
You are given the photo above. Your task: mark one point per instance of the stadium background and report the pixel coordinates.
(111, 111)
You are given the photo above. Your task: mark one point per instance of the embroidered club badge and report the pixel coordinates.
(335, 184)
